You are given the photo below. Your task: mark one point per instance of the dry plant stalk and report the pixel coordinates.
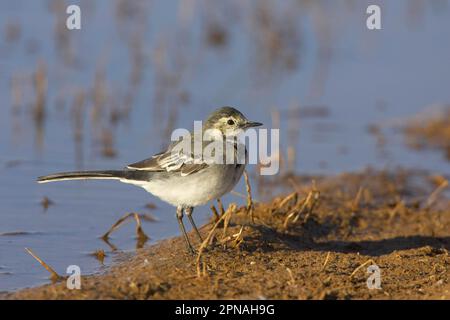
(230, 210)
(294, 184)
(54, 276)
(226, 222)
(326, 261)
(148, 217)
(112, 246)
(279, 158)
(40, 85)
(107, 140)
(434, 195)
(287, 199)
(290, 159)
(314, 201)
(139, 232)
(238, 238)
(307, 206)
(215, 213)
(291, 282)
(361, 266)
(356, 201)
(393, 212)
(250, 206)
(46, 203)
(221, 208)
(99, 255)
(16, 93)
(141, 236)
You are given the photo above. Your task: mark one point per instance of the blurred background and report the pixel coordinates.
(111, 93)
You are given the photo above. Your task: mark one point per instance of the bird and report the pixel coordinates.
(178, 176)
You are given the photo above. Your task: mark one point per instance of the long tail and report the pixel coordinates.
(87, 175)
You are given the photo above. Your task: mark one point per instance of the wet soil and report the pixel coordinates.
(298, 247)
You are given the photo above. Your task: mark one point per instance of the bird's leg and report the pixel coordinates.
(189, 211)
(183, 230)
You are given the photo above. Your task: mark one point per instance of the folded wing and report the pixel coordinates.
(171, 160)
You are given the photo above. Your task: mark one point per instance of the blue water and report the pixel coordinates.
(330, 60)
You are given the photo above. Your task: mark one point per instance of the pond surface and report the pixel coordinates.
(111, 93)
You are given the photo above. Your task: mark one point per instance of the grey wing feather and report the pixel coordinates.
(150, 164)
(188, 169)
(170, 161)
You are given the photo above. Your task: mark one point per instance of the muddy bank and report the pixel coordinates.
(430, 130)
(313, 242)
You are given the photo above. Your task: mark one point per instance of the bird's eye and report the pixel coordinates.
(230, 122)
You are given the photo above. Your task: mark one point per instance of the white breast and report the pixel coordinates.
(198, 188)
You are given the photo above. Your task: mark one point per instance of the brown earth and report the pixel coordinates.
(399, 221)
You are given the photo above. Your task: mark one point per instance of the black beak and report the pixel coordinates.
(250, 124)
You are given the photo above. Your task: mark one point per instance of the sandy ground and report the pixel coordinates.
(298, 247)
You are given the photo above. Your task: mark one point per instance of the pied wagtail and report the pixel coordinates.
(174, 176)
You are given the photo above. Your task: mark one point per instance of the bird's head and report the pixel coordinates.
(229, 121)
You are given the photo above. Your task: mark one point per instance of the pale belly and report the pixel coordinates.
(195, 189)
